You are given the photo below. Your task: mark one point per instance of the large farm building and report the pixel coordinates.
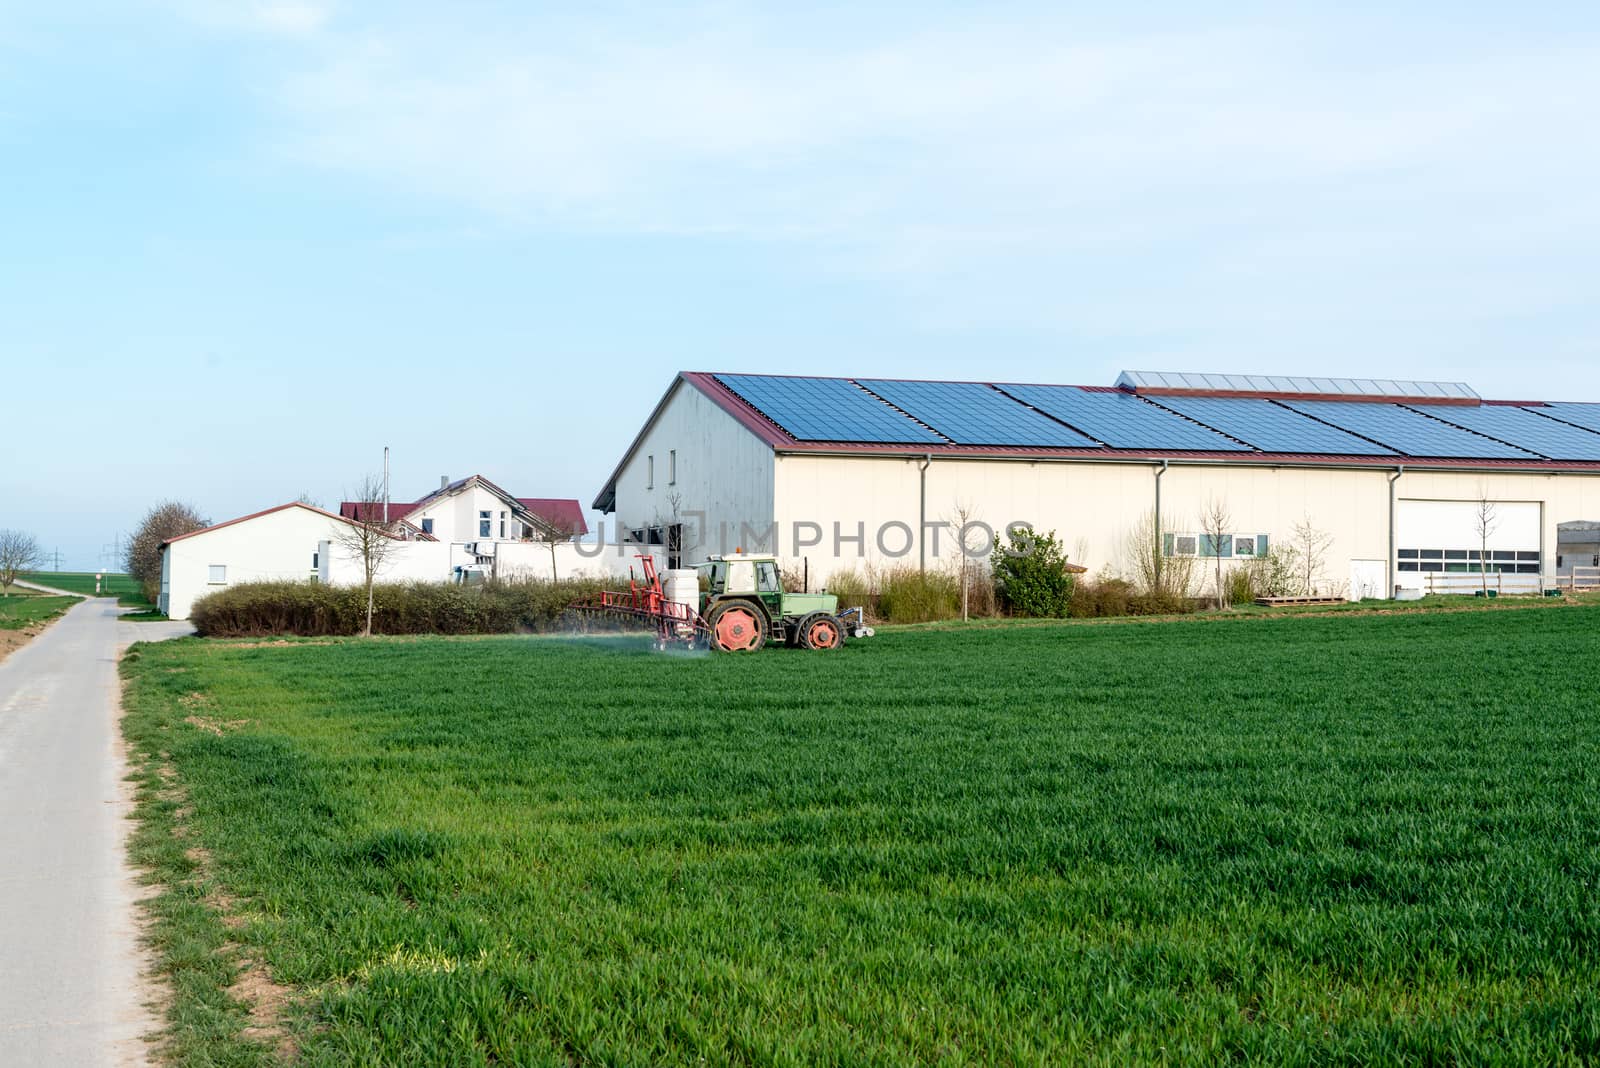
(1410, 483)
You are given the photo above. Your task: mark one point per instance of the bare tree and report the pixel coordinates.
(551, 534)
(306, 498)
(1485, 520)
(368, 536)
(19, 552)
(165, 521)
(1215, 524)
(1311, 547)
(974, 543)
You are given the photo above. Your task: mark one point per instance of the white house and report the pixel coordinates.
(474, 510)
(843, 472)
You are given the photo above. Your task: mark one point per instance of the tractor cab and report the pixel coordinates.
(742, 575)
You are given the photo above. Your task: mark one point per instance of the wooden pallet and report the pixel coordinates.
(1281, 602)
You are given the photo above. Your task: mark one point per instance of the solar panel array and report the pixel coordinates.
(1523, 428)
(1584, 415)
(827, 409)
(970, 413)
(1271, 427)
(1408, 432)
(886, 411)
(1122, 420)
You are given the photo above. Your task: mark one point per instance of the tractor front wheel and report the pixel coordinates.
(737, 627)
(821, 631)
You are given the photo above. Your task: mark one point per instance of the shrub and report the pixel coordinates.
(899, 594)
(1239, 586)
(309, 609)
(907, 595)
(1277, 574)
(1030, 575)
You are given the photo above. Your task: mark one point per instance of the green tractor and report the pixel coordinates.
(744, 606)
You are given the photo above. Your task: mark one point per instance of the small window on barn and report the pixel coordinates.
(485, 522)
(316, 560)
(672, 467)
(650, 471)
(217, 574)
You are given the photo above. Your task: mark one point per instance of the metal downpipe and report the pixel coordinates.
(1159, 546)
(922, 511)
(1394, 584)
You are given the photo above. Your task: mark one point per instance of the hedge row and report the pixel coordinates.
(256, 609)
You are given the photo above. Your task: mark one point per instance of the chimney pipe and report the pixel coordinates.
(444, 480)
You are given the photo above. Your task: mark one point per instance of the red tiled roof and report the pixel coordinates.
(372, 511)
(563, 513)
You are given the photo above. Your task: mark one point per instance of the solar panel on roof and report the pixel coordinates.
(1407, 431)
(1574, 412)
(1522, 428)
(827, 409)
(1345, 387)
(1122, 420)
(1271, 427)
(971, 413)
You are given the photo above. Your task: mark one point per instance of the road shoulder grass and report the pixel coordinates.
(24, 615)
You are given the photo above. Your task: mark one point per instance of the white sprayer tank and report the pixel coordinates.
(682, 586)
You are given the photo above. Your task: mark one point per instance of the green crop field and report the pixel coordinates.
(22, 608)
(1336, 840)
(125, 589)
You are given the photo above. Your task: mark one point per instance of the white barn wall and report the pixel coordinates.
(1092, 507)
(724, 472)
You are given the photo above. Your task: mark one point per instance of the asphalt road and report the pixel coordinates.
(71, 991)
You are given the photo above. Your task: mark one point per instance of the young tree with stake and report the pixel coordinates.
(368, 537)
(1485, 520)
(1215, 523)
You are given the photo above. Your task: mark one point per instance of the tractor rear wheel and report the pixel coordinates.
(737, 627)
(819, 630)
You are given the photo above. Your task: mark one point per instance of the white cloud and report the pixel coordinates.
(289, 18)
(987, 172)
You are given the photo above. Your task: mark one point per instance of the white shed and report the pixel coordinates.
(280, 543)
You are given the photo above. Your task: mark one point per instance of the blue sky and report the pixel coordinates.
(244, 245)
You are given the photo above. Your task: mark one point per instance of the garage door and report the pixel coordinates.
(1443, 536)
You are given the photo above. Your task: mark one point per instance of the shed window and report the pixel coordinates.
(217, 574)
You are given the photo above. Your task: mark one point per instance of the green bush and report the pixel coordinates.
(309, 609)
(1030, 575)
(1239, 586)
